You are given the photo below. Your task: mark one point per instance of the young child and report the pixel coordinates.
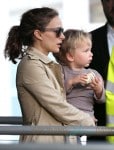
(83, 86)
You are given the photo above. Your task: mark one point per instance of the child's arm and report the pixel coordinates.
(97, 85)
(80, 79)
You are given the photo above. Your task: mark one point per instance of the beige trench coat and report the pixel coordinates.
(42, 97)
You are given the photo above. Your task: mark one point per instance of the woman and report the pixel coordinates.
(39, 80)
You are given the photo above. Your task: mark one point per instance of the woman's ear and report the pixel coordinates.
(38, 34)
(70, 57)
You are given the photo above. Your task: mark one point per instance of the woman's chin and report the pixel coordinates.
(56, 51)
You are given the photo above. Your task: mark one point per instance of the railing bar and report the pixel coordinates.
(11, 120)
(56, 130)
(55, 147)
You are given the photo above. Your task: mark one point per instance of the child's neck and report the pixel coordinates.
(76, 68)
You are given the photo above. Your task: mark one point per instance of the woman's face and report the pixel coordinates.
(52, 37)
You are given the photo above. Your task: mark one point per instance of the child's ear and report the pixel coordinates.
(70, 57)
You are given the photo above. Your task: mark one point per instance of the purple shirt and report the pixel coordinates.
(80, 96)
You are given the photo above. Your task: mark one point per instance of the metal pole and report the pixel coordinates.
(56, 130)
(11, 120)
(34, 146)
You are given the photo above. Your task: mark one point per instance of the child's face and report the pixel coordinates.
(82, 55)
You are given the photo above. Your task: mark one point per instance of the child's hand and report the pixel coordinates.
(97, 85)
(80, 79)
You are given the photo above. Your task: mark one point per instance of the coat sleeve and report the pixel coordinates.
(44, 89)
(102, 98)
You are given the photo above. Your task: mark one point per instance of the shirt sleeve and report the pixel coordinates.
(102, 98)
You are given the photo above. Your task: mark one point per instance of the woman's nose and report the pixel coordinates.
(62, 36)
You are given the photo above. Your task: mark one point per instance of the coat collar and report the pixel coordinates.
(35, 54)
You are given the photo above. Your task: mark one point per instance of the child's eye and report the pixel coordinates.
(87, 50)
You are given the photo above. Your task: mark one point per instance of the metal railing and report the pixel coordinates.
(16, 128)
(13, 126)
(11, 120)
(31, 146)
(56, 130)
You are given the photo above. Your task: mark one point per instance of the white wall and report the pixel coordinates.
(74, 14)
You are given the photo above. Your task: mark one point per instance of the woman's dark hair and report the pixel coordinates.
(22, 35)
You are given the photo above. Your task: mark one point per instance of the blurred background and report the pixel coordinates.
(80, 14)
